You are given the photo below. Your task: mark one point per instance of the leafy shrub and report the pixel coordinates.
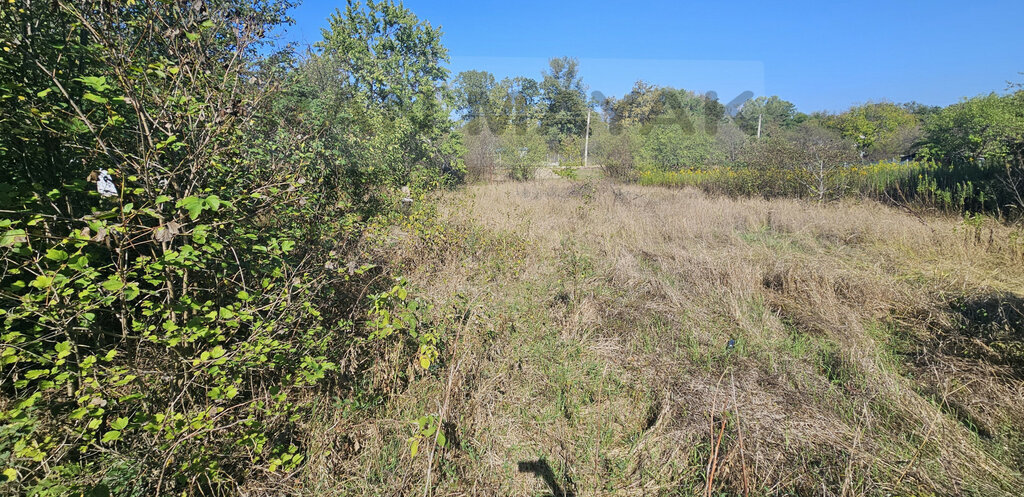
(670, 146)
(182, 236)
(615, 152)
(570, 157)
(522, 153)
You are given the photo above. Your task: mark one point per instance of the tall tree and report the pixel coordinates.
(644, 103)
(380, 76)
(565, 99)
(474, 91)
(516, 104)
(772, 111)
(989, 127)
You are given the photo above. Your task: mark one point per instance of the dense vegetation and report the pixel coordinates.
(186, 209)
(963, 158)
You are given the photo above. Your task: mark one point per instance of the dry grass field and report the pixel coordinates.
(606, 339)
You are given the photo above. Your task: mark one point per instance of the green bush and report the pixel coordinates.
(522, 153)
(670, 146)
(183, 212)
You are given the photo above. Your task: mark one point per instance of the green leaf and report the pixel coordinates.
(414, 447)
(11, 474)
(87, 363)
(119, 424)
(12, 237)
(56, 255)
(194, 206)
(131, 291)
(97, 83)
(213, 202)
(217, 352)
(169, 140)
(63, 349)
(162, 198)
(113, 284)
(94, 98)
(111, 436)
(42, 282)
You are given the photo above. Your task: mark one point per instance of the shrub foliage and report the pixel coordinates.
(183, 203)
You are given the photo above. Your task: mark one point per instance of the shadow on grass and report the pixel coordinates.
(541, 469)
(993, 326)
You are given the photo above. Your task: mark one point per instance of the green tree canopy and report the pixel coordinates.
(379, 86)
(987, 127)
(772, 111)
(564, 99)
(474, 91)
(881, 130)
(640, 106)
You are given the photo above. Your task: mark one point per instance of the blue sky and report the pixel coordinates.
(821, 55)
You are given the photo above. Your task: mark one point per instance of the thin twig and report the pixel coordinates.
(739, 431)
(714, 460)
(444, 407)
(916, 453)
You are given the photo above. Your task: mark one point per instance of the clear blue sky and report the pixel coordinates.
(821, 55)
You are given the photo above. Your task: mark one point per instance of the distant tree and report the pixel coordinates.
(647, 106)
(570, 156)
(674, 146)
(881, 130)
(713, 113)
(481, 154)
(473, 92)
(822, 153)
(564, 99)
(615, 152)
(771, 111)
(983, 135)
(517, 104)
(522, 154)
(730, 140)
(640, 106)
(920, 110)
(988, 127)
(772, 151)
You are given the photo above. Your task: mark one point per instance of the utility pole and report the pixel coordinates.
(759, 125)
(586, 140)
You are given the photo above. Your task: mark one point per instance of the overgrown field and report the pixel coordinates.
(233, 265)
(599, 339)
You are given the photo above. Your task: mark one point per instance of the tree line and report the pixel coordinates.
(966, 156)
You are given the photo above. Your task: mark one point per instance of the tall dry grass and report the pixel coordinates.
(590, 336)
